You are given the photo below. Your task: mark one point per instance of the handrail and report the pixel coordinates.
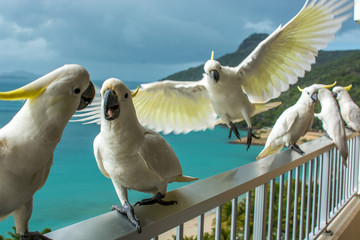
(197, 198)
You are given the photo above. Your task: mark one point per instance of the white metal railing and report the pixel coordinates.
(295, 197)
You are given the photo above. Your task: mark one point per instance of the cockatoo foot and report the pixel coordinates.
(347, 127)
(157, 198)
(128, 210)
(327, 135)
(296, 148)
(250, 135)
(33, 236)
(234, 129)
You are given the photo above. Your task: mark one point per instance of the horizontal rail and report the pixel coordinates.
(197, 198)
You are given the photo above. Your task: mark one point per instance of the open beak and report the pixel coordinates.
(87, 97)
(111, 105)
(314, 97)
(214, 75)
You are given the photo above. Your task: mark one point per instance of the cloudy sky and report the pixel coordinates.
(137, 40)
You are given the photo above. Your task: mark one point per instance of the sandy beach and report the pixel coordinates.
(190, 227)
(264, 133)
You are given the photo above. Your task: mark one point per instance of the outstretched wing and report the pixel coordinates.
(290, 50)
(164, 106)
(174, 106)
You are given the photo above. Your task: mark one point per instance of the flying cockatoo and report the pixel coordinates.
(292, 124)
(132, 156)
(350, 112)
(332, 122)
(28, 141)
(237, 93)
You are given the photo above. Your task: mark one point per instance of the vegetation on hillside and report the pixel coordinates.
(340, 66)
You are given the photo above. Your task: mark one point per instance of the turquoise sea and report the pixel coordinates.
(76, 190)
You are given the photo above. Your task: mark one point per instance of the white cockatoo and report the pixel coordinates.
(237, 93)
(28, 141)
(132, 156)
(292, 124)
(350, 112)
(332, 122)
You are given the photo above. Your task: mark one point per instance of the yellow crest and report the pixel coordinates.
(133, 94)
(348, 87)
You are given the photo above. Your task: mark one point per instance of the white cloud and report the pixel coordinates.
(30, 50)
(12, 28)
(349, 39)
(266, 26)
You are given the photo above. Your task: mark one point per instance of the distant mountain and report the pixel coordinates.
(19, 76)
(340, 66)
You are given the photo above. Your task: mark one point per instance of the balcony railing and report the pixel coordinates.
(294, 197)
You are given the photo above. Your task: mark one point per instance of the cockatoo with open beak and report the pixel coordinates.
(331, 120)
(350, 112)
(293, 123)
(132, 156)
(237, 93)
(28, 141)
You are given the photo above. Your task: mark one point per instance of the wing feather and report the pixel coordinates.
(174, 106)
(290, 50)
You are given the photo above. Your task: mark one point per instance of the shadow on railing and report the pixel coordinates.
(317, 180)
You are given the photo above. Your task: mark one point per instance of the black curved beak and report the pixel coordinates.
(314, 97)
(87, 97)
(214, 75)
(111, 105)
(335, 94)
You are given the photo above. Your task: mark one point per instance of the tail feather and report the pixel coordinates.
(259, 108)
(269, 150)
(183, 178)
(341, 144)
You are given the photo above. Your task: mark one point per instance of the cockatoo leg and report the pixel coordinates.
(250, 135)
(33, 236)
(128, 210)
(296, 148)
(234, 129)
(157, 198)
(22, 216)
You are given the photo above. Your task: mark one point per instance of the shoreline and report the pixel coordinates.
(264, 133)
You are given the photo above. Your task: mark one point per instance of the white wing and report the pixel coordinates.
(290, 50)
(166, 106)
(174, 106)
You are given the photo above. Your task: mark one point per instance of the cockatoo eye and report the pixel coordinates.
(126, 95)
(77, 90)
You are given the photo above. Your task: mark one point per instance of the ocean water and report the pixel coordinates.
(76, 190)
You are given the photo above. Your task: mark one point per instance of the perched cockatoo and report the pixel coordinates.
(292, 124)
(238, 93)
(132, 156)
(350, 112)
(28, 141)
(332, 122)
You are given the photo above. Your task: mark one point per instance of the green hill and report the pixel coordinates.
(340, 66)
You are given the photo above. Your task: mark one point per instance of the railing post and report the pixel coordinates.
(218, 222)
(260, 212)
(324, 190)
(357, 162)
